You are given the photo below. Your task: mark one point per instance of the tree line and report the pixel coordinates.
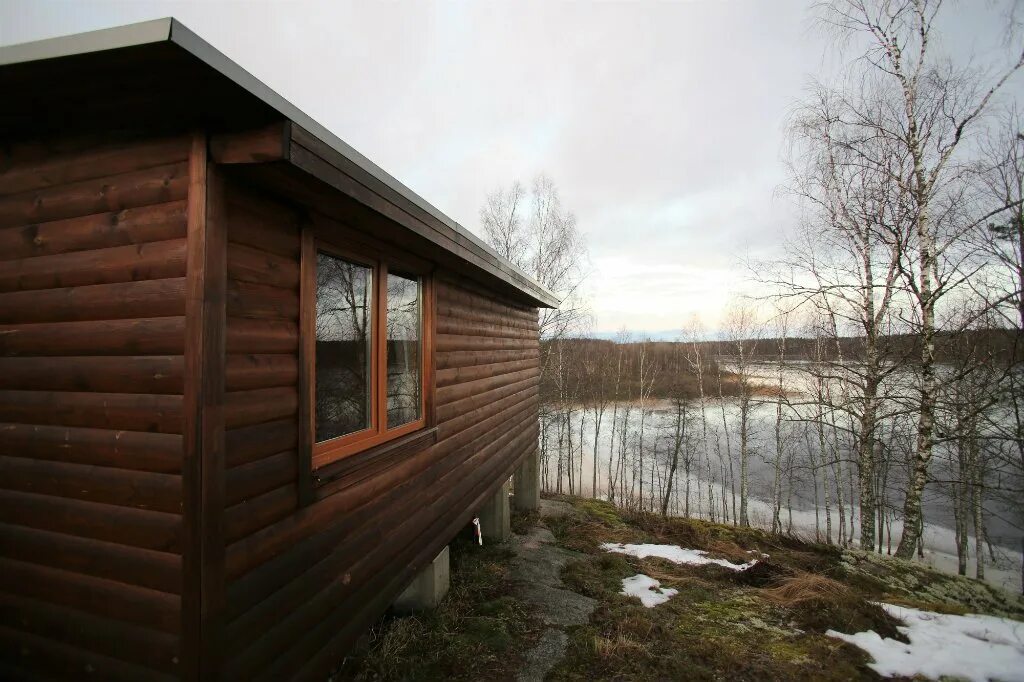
(879, 370)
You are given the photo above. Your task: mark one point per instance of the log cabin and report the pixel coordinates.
(250, 384)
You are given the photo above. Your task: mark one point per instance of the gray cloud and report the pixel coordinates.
(661, 123)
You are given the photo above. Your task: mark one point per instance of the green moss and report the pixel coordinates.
(602, 511)
(479, 630)
(766, 623)
(913, 584)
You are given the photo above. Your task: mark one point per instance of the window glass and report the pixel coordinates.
(344, 304)
(404, 349)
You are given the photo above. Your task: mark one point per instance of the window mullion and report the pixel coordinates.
(381, 344)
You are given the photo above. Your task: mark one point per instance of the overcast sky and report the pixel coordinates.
(661, 124)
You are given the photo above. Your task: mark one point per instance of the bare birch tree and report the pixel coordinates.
(926, 109)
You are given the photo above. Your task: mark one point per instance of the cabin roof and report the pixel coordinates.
(72, 82)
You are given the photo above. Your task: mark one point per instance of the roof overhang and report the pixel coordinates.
(179, 78)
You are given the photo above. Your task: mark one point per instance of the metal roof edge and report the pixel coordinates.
(170, 29)
(195, 45)
(128, 35)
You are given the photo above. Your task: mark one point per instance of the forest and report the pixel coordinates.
(870, 391)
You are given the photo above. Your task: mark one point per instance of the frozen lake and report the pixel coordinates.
(711, 495)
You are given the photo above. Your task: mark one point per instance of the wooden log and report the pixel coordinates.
(255, 478)
(454, 416)
(145, 336)
(155, 185)
(349, 471)
(477, 431)
(123, 525)
(453, 359)
(453, 326)
(319, 527)
(346, 536)
(249, 516)
(246, 335)
(329, 591)
(245, 408)
(108, 598)
(250, 443)
(482, 304)
(261, 145)
(143, 374)
(447, 343)
(44, 656)
(459, 375)
(246, 299)
(259, 221)
(60, 168)
(246, 264)
(280, 238)
(122, 487)
(135, 450)
(104, 636)
(462, 312)
(246, 372)
(457, 432)
(155, 223)
(123, 300)
(116, 411)
(317, 651)
(472, 289)
(452, 399)
(131, 565)
(155, 260)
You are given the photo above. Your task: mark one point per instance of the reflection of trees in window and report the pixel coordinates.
(343, 314)
(403, 359)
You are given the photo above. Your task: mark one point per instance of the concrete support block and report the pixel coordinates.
(527, 483)
(428, 588)
(495, 521)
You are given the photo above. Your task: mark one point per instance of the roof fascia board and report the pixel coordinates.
(143, 33)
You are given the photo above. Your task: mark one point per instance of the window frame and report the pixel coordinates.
(380, 261)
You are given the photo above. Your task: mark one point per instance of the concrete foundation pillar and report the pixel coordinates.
(527, 483)
(427, 589)
(495, 522)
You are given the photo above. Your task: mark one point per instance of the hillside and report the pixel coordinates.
(549, 605)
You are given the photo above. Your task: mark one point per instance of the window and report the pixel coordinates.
(368, 365)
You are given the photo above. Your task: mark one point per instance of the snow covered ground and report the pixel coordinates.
(675, 554)
(648, 590)
(973, 647)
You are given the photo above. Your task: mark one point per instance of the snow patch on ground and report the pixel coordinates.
(675, 554)
(648, 590)
(973, 647)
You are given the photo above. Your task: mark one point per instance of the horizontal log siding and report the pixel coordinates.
(304, 582)
(92, 304)
(261, 406)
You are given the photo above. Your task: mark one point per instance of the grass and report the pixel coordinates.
(766, 623)
(478, 632)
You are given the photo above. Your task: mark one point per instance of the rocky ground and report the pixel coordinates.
(548, 605)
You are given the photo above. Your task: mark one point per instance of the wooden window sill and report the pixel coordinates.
(344, 473)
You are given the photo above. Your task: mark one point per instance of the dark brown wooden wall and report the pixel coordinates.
(92, 330)
(95, 465)
(261, 404)
(303, 581)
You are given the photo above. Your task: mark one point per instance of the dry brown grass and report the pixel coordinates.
(617, 647)
(805, 587)
(728, 550)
